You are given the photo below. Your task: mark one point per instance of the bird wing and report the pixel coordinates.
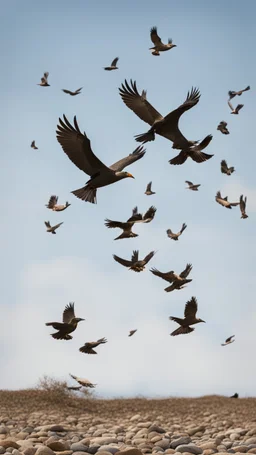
(150, 213)
(57, 225)
(183, 227)
(191, 308)
(189, 183)
(137, 154)
(88, 348)
(135, 256)
(67, 91)
(115, 61)
(149, 185)
(224, 167)
(238, 107)
(218, 195)
(52, 202)
(229, 339)
(83, 382)
(154, 36)
(187, 271)
(182, 330)
(33, 144)
(78, 90)
(168, 276)
(138, 103)
(78, 147)
(46, 74)
(148, 257)
(122, 261)
(69, 313)
(47, 224)
(230, 105)
(117, 224)
(242, 203)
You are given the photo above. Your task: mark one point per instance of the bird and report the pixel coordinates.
(178, 281)
(88, 347)
(127, 226)
(242, 204)
(75, 388)
(52, 204)
(189, 319)
(235, 395)
(33, 145)
(224, 201)
(44, 80)
(52, 229)
(158, 45)
(222, 127)
(225, 169)
(135, 264)
(113, 65)
(228, 341)
(77, 147)
(83, 382)
(176, 236)
(191, 185)
(236, 110)
(165, 126)
(76, 92)
(132, 332)
(194, 152)
(148, 191)
(232, 93)
(147, 217)
(68, 325)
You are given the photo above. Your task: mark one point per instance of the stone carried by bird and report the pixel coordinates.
(158, 45)
(33, 145)
(224, 201)
(229, 340)
(52, 229)
(178, 281)
(236, 110)
(232, 93)
(222, 127)
(135, 264)
(242, 205)
(173, 236)
(225, 169)
(44, 80)
(189, 318)
(148, 191)
(68, 325)
(132, 332)
(83, 382)
(52, 204)
(191, 185)
(113, 65)
(76, 92)
(88, 348)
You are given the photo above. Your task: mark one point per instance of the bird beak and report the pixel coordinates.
(202, 320)
(130, 175)
(81, 319)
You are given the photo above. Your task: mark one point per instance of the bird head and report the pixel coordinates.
(124, 175)
(78, 320)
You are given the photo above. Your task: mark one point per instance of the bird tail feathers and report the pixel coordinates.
(87, 193)
(145, 137)
(182, 330)
(60, 336)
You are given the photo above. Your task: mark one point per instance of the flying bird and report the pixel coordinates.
(132, 332)
(127, 226)
(235, 396)
(68, 325)
(83, 382)
(52, 229)
(178, 281)
(88, 347)
(158, 45)
(148, 191)
(113, 65)
(194, 152)
(176, 236)
(242, 204)
(232, 93)
(189, 319)
(77, 146)
(222, 127)
(224, 201)
(75, 388)
(228, 340)
(52, 204)
(76, 92)
(33, 145)
(147, 217)
(135, 264)
(44, 80)
(236, 110)
(225, 169)
(191, 185)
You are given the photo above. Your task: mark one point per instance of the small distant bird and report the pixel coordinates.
(178, 281)
(77, 147)
(75, 388)
(88, 347)
(44, 80)
(189, 319)
(158, 45)
(242, 204)
(148, 191)
(68, 325)
(235, 396)
(76, 92)
(191, 185)
(194, 151)
(83, 382)
(135, 264)
(228, 341)
(224, 201)
(132, 332)
(232, 93)
(176, 236)
(127, 226)
(222, 127)
(52, 229)
(147, 217)
(236, 110)
(225, 169)
(52, 204)
(33, 145)
(113, 65)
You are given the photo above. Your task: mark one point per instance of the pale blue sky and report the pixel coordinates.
(41, 273)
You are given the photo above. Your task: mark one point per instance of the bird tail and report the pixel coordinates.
(123, 236)
(87, 193)
(145, 137)
(182, 330)
(61, 336)
(179, 159)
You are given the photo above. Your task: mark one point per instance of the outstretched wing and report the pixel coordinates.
(230, 105)
(242, 203)
(150, 213)
(135, 256)
(191, 308)
(69, 313)
(238, 107)
(138, 153)
(67, 91)
(183, 227)
(187, 271)
(115, 61)
(168, 276)
(116, 224)
(47, 224)
(188, 182)
(149, 185)
(52, 202)
(223, 167)
(57, 225)
(122, 261)
(149, 256)
(156, 40)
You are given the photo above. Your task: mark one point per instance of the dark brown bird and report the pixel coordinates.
(68, 325)
(148, 191)
(242, 204)
(189, 319)
(127, 226)
(135, 264)
(178, 281)
(77, 147)
(235, 396)
(191, 185)
(113, 65)
(194, 152)
(232, 93)
(83, 382)
(132, 332)
(225, 169)
(236, 110)
(76, 92)
(224, 201)
(158, 45)
(52, 204)
(228, 340)
(44, 80)
(88, 347)
(147, 217)
(33, 145)
(50, 228)
(176, 236)
(222, 127)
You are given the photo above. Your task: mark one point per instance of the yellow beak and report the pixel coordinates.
(130, 175)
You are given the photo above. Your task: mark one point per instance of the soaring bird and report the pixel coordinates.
(88, 347)
(33, 145)
(232, 93)
(76, 92)
(242, 204)
(44, 80)
(191, 185)
(83, 382)
(158, 45)
(68, 325)
(235, 395)
(189, 319)
(78, 148)
(132, 332)
(148, 191)
(135, 264)
(113, 65)
(135, 218)
(222, 127)
(228, 340)
(176, 236)
(224, 201)
(236, 110)
(52, 204)
(167, 126)
(225, 169)
(147, 217)
(178, 281)
(52, 229)
(194, 152)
